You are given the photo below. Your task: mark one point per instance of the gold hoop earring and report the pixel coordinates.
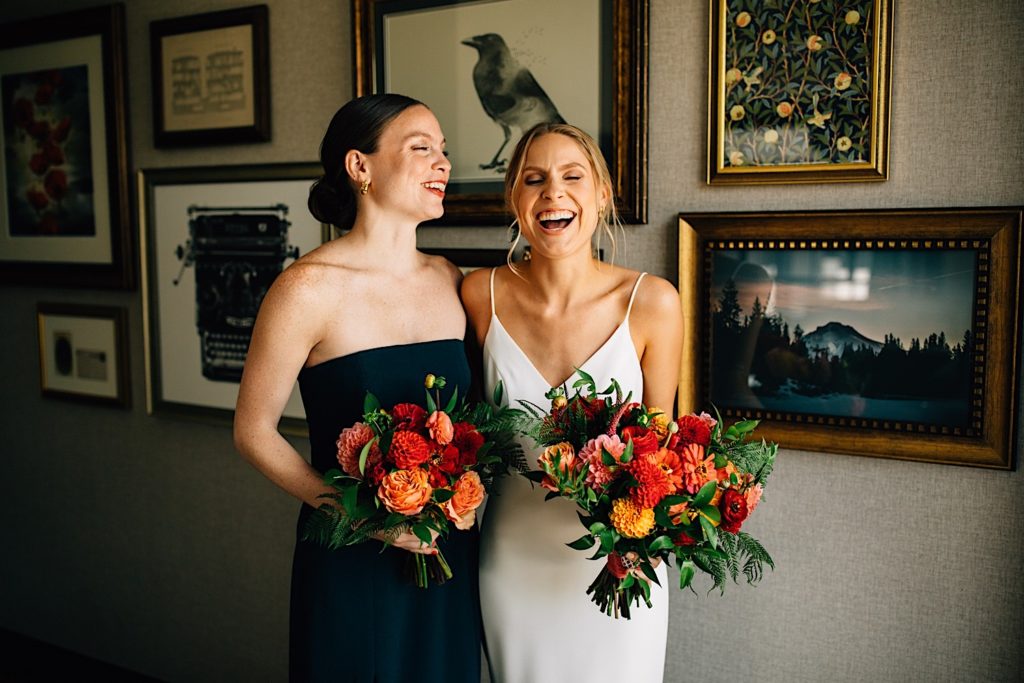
(365, 187)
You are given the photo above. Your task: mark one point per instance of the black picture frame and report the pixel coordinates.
(65, 163)
(187, 111)
(619, 103)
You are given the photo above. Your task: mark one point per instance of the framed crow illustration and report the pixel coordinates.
(491, 70)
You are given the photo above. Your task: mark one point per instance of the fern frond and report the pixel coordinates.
(712, 565)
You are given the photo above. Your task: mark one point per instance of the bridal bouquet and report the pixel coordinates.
(649, 488)
(419, 469)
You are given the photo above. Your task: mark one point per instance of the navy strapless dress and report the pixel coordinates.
(356, 614)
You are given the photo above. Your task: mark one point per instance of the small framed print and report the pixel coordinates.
(83, 353)
(211, 78)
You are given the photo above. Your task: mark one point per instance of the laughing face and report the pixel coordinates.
(558, 197)
(409, 171)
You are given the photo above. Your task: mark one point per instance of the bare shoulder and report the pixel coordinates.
(475, 290)
(444, 267)
(656, 296)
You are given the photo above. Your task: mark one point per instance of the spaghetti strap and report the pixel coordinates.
(492, 292)
(636, 286)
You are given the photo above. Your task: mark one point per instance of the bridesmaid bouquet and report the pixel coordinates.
(648, 488)
(419, 469)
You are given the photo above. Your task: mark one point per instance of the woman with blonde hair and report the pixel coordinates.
(536, 323)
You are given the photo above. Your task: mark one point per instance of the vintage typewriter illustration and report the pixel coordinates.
(237, 253)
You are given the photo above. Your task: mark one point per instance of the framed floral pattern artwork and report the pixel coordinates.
(799, 91)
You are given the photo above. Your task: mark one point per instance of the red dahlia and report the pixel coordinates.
(692, 429)
(408, 449)
(653, 482)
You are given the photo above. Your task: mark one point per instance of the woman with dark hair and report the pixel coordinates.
(364, 312)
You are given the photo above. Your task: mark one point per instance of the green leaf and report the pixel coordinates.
(535, 475)
(582, 543)
(607, 457)
(431, 406)
(585, 380)
(422, 532)
(627, 453)
(364, 454)
(349, 500)
(660, 543)
(712, 513)
(650, 572)
(710, 533)
(499, 391)
(451, 402)
(627, 582)
(607, 538)
(597, 527)
(706, 493)
(686, 572)
(443, 495)
(370, 404)
(551, 495)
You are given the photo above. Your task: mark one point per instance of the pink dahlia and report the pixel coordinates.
(600, 474)
(350, 444)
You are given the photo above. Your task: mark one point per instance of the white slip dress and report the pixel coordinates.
(540, 625)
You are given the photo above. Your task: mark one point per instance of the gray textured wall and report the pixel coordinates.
(148, 543)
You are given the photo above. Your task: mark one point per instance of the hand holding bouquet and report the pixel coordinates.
(415, 469)
(648, 488)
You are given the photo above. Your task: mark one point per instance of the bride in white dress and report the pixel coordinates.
(536, 325)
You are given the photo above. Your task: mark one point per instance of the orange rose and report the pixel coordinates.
(461, 507)
(405, 491)
(566, 457)
(440, 427)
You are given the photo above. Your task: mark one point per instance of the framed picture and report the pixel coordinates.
(211, 78)
(469, 260)
(213, 240)
(83, 353)
(64, 217)
(882, 333)
(580, 61)
(799, 96)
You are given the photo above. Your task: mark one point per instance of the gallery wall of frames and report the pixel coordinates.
(153, 187)
(794, 103)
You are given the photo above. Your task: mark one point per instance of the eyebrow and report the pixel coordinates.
(563, 167)
(422, 134)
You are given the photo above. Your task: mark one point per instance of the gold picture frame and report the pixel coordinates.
(881, 333)
(83, 353)
(798, 92)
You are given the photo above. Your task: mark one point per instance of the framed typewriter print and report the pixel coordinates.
(83, 353)
(883, 333)
(581, 61)
(213, 241)
(211, 78)
(798, 92)
(64, 216)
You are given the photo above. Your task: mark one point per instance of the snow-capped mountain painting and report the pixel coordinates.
(836, 338)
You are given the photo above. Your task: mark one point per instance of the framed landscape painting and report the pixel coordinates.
(64, 216)
(579, 61)
(875, 333)
(799, 91)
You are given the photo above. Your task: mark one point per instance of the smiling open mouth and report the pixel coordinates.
(435, 186)
(555, 220)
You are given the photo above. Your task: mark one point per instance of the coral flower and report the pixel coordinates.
(698, 468)
(670, 463)
(631, 520)
(461, 507)
(440, 427)
(600, 475)
(692, 429)
(405, 491)
(350, 444)
(753, 494)
(409, 449)
(652, 482)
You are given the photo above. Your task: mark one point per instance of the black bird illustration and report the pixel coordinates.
(508, 92)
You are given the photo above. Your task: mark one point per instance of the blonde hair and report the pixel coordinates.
(608, 216)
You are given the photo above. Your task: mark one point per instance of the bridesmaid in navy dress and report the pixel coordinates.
(365, 311)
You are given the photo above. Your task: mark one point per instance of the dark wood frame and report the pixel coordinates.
(118, 315)
(148, 181)
(107, 22)
(470, 258)
(878, 167)
(994, 233)
(259, 131)
(627, 158)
